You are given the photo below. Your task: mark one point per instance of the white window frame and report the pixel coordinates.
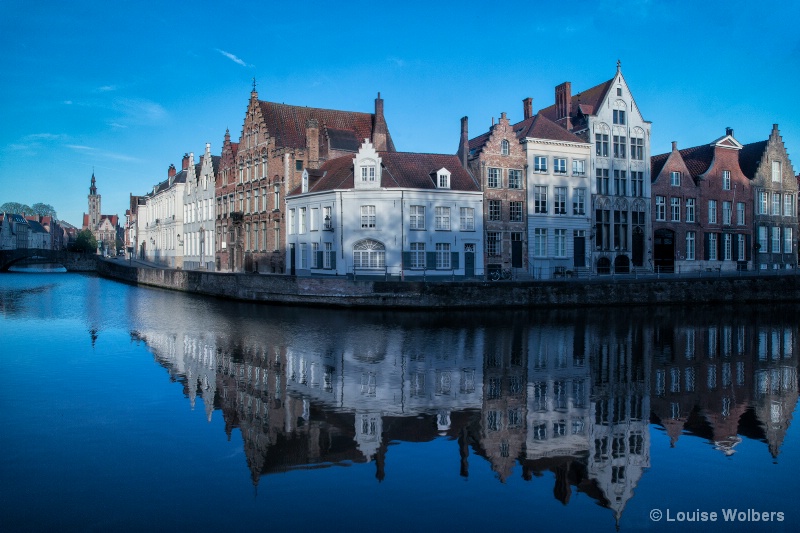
(467, 222)
(443, 256)
(417, 217)
(661, 208)
(442, 218)
(369, 217)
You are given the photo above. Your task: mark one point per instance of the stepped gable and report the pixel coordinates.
(287, 125)
(400, 170)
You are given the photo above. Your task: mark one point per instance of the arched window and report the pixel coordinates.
(368, 253)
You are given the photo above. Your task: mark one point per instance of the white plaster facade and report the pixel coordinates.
(160, 223)
(621, 168)
(199, 212)
(559, 207)
(368, 225)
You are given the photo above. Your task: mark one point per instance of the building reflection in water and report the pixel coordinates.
(571, 393)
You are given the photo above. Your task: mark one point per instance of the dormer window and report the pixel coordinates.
(443, 179)
(367, 167)
(504, 148)
(368, 172)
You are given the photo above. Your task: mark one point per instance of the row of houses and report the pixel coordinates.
(20, 231)
(571, 189)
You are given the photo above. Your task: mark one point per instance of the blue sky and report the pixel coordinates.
(126, 88)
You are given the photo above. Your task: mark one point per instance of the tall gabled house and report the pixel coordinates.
(278, 142)
(775, 195)
(702, 208)
(607, 116)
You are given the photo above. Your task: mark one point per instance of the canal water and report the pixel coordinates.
(130, 409)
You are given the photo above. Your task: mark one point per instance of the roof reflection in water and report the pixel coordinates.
(568, 392)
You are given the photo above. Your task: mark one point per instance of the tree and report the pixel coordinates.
(85, 242)
(44, 210)
(16, 208)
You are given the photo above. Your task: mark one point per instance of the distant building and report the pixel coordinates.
(160, 219)
(105, 228)
(386, 213)
(199, 212)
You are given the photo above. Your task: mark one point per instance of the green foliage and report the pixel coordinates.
(85, 242)
(45, 210)
(16, 208)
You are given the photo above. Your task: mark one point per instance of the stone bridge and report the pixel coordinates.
(72, 261)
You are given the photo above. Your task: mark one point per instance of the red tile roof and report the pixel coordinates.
(287, 123)
(537, 126)
(750, 156)
(541, 127)
(586, 101)
(657, 163)
(399, 170)
(697, 159)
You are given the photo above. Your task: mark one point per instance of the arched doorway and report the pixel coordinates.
(604, 265)
(664, 250)
(622, 265)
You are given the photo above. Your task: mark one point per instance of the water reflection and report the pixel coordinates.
(569, 392)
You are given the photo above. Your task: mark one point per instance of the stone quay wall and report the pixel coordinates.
(342, 292)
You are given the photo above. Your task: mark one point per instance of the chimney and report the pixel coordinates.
(171, 171)
(312, 142)
(527, 108)
(185, 162)
(564, 104)
(674, 146)
(729, 131)
(463, 143)
(380, 132)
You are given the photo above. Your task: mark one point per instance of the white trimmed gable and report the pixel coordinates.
(366, 168)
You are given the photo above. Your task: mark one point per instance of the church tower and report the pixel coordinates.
(94, 205)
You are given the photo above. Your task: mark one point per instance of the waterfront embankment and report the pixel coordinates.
(343, 292)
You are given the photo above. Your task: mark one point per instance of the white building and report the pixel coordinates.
(392, 214)
(160, 220)
(559, 198)
(199, 212)
(607, 116)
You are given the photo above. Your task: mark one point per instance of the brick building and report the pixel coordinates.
(277, 143)
(497, 159)
(702, 205)
(775, 223)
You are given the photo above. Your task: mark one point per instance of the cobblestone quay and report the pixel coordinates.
(342, 292)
